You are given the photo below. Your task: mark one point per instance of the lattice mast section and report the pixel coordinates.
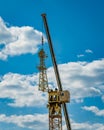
(55, 114)
(55, 100)
(43, 81)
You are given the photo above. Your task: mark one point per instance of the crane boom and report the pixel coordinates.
(56, 70)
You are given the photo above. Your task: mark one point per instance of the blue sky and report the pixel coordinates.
(77, 31)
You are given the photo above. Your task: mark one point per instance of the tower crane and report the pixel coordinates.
(57, 98)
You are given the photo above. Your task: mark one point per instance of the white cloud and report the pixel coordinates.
(82, 79)
(18, 40)
(78, 100)
(80, 55)
(37, 121)
(23, 89)
(94, 109)
(88, 51)
(87, 126)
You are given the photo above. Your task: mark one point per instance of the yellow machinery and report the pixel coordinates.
(55, 100)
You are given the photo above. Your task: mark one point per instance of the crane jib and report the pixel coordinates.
(56, 70)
